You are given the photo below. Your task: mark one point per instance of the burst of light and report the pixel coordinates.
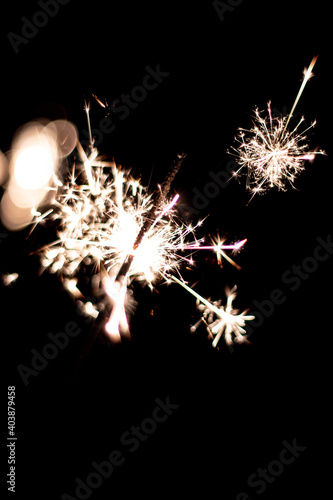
(103, 228)
(108, 226)
(271, 154)
(105, 218)
(220, 320)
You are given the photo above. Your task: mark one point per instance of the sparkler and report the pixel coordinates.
(108, 225)
(272, 154)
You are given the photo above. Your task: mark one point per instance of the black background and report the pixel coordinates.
(235, 408)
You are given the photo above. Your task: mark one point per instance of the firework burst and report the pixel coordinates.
(271, 154)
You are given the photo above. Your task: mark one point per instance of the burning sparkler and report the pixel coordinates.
(271, 153)
(106, 223)
(109, 225)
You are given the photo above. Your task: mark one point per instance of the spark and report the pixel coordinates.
(100, 102)
(218, 248)
(272, 154)
(7, 279)
(220, 320)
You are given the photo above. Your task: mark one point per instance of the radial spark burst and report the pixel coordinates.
(110, 229)
(221, 320)
(100, 222)
(99, 225)
(271, 154)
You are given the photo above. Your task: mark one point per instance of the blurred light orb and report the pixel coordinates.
(12, 216)
(66, 135)
(34, 166)
(3, 168)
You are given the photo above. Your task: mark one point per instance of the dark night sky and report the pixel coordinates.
(235, 408)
